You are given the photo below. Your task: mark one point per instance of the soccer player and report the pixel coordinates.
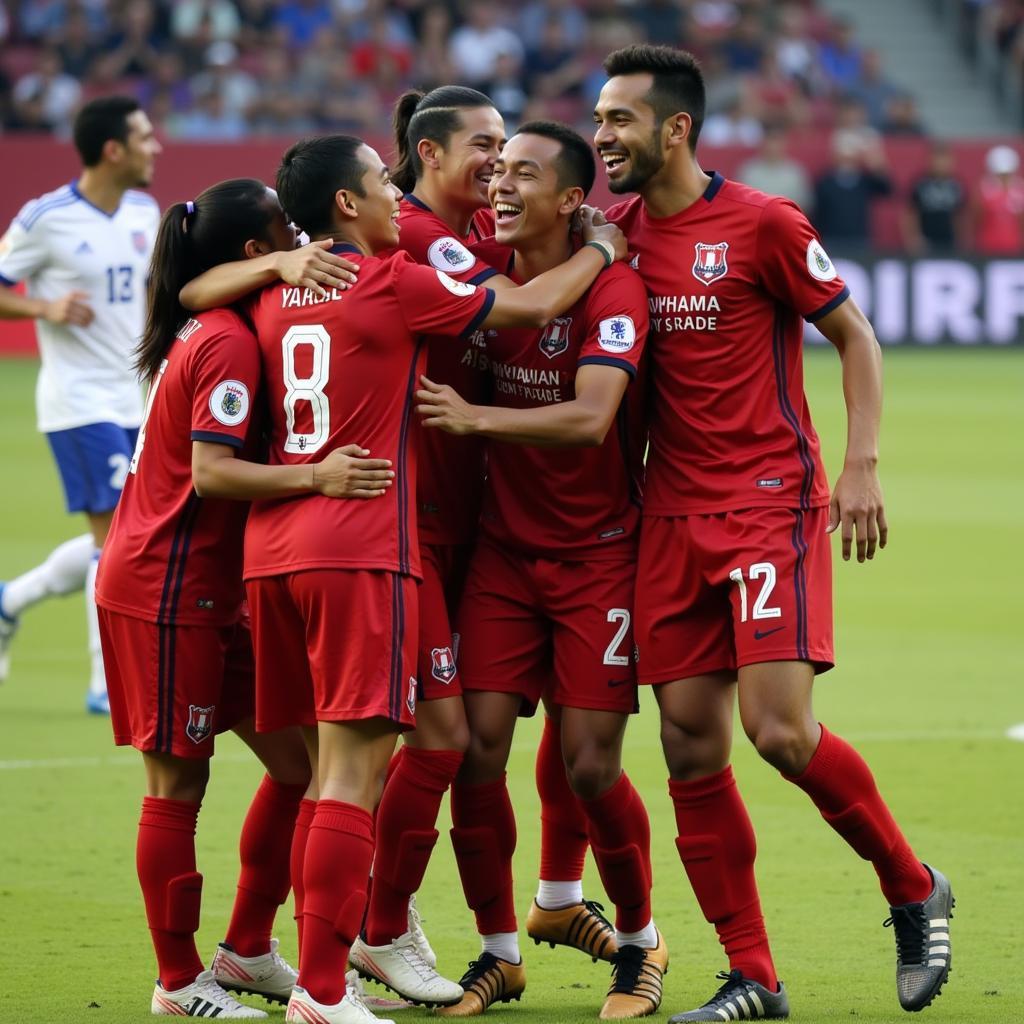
(332, 585)
(734, 580)
(550, 587)
(448, 141)
(83, 252)
(169, 590)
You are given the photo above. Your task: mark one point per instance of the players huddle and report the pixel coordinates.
(438, 411)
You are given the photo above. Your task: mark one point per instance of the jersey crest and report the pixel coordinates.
(709, 263)
(140, 242)
(442, 664)
(200, 722)
(555, 339)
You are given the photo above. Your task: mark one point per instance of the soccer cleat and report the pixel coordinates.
(415, 926)
(304, 1009)
(923, 950)
(8, 627)
(739, 999)
(488, 980)
(97, 703)
(203, 998)
(581, 926)
(637, 975)
(400, 966)
(269, 975)
(382, 1003)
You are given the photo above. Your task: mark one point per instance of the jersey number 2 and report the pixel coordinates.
(309, 388)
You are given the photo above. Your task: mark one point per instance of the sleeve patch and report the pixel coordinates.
(229, 402)
(616, 334)
(821, 268)
(460, 288)
(451, 255)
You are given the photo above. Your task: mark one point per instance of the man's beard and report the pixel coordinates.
(644, 165)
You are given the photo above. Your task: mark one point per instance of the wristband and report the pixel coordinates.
(606, 249)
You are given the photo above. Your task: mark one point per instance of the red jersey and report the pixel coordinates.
(574, 504)
(450, 468)
(1000, 209)
(173, 557)
(728, 280)
(342, 370)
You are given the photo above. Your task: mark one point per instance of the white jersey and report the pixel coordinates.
(61, 243)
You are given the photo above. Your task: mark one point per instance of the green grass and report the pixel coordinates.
(929, 679)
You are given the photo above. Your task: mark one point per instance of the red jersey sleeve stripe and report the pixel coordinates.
(620, 364)
(481, 313)
(832, 303)
(485, 275)
(214, 438)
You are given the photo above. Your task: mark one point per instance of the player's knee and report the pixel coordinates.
(786, 746)
(486, 753)
(591, 771)
(690, 754)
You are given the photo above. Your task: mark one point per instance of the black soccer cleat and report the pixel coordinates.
(923, 951)
(739, 999)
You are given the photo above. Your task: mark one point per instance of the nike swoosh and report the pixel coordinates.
(758, 635)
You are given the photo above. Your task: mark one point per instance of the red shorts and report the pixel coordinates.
(173, 688)
(334, 645)
(536, 626)
(717, 592)
(444, 577)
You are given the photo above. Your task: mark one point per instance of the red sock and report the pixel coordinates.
(300, 836)
(165, 857)
(339, 853)
(484, 838)
(563, 825)
(406, 836)
(842, 787)
(621, 838)
(264, 849)
(396, 760)
(717, 846)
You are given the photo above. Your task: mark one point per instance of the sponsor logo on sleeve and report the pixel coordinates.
(200, 722)
(450, 254)
(229, 402)
(616, 334)
(820, 266)
(460, 288)
(709, 263)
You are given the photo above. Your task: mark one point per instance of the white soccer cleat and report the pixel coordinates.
(415, 924)
(8, 627)
(304, 1009)
(203, 998)
(379, 1004)
(269, 975)
(400, 967)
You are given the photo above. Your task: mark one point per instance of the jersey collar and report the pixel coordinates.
(415, 201)
(714, 187)
(78, 195)
(346, 249)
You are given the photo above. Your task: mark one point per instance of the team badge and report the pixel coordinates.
(410, 699)
(229, 402)
(141, 242)
(442, 664)
(200, 722)
(820, 267)
(450, 254)
(555, 339)
(460, 288)
(709, 261)
(616, 334)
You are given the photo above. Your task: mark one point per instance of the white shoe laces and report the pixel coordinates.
(356, 993)
(416, 930)
(211, 991)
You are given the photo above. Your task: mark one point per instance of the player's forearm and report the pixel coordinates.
(20, 307)
(862, 389)
(250, 481)
(564, 424)
(229, 282)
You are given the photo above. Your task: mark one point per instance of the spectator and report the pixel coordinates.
(932, 220)
(539, 12)
(507, 92)
(840, 57)
(998, 205)
(844, 194)
(735, 126)
(553, 69)
(433, 65)
(345, 104)
(772, 171)
(902, 116)
(476, 46)
(318, 59)
(300, 20)
(39, 19)
(281, 107)
(78, 45)
(257, 22)
(777, 97)
(661, 21)
(851, 118)
(46, 99)
(209, 121)
(169, 82)
(209, 20)
(133, 48)
(380, 54)
(873, 89)
(236, 89)
(743, 48)
(794, 49)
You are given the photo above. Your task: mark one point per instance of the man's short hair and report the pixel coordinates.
(575, 163)
(99, 121)
(311, 174)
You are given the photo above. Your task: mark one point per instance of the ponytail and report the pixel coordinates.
(403, 174)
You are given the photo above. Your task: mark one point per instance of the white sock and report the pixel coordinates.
(503, 945)
(646, 938)
(97, 677)
(558, 895)
(63, 572)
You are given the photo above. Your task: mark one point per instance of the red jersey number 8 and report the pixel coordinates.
(307, 389)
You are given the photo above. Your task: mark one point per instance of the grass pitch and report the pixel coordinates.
(929, 681)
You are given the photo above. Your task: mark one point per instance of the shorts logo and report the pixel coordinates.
(616, 334)
(442, 664)
(450, 254)
(819, 266)
(200, 722)
(770, 481)
(229, 402)
(410, 700)
(555, 339)
(460, 288)
(709, 262)
(141, 242)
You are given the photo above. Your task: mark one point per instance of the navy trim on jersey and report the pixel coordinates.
(164, 721)
(786, 406)
(619, 364)
(409, 197)
(829, 306)
(45, 206)
(715, 186)
(346, 247)
(214, 438)
(481, 314)
(110, 216)
(7, 281)
(394, 682)
(485, 275)
(800, 584)
(400, 469)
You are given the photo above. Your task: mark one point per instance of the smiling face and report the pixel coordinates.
(377, 209)
(528, 201)
(628, 136)
(466, 163)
